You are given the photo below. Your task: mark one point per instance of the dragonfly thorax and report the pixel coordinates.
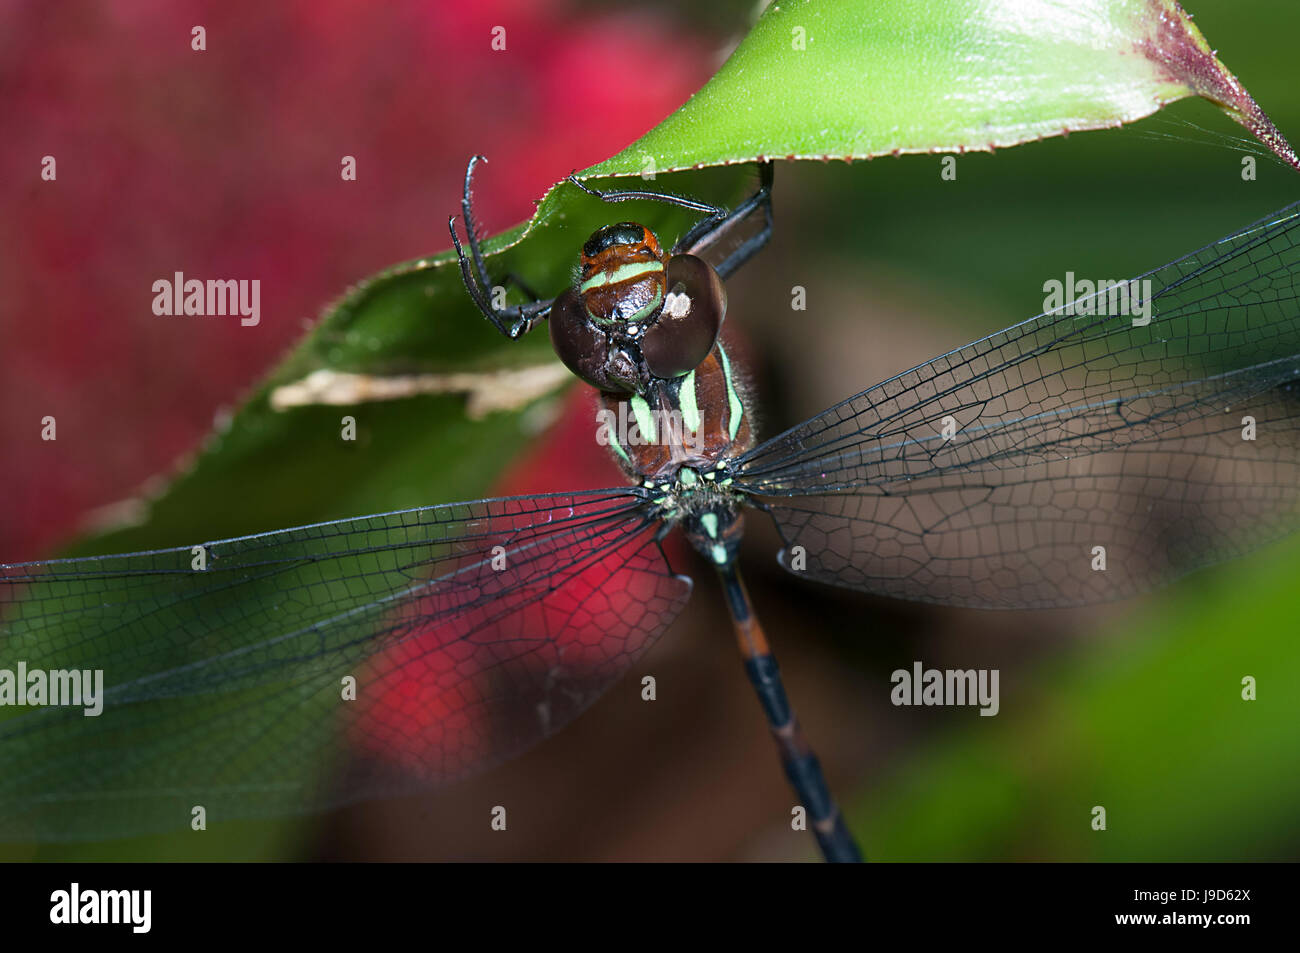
(636, 314)
(698, 421)
(706, 506)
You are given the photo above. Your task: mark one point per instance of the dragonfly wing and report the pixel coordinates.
(1077, 457)
(295, 670)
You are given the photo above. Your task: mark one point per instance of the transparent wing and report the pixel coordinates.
(309, 667)
(1076, 457)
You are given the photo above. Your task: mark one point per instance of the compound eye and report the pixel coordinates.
(694, 305)
(581, 346)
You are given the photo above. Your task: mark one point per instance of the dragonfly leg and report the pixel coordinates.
(627, 195)
(750, 246)
(514, 321)
(802, 768)
(709, 231)
(717, 221)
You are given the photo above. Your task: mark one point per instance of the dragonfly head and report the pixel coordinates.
(636, 313)
(621, 275)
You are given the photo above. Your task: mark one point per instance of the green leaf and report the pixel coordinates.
(854, 79)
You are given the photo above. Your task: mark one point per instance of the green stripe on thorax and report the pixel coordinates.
(735, 409)
(645, 420)
(686, 399)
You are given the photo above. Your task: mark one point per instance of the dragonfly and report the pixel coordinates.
(439, 641)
